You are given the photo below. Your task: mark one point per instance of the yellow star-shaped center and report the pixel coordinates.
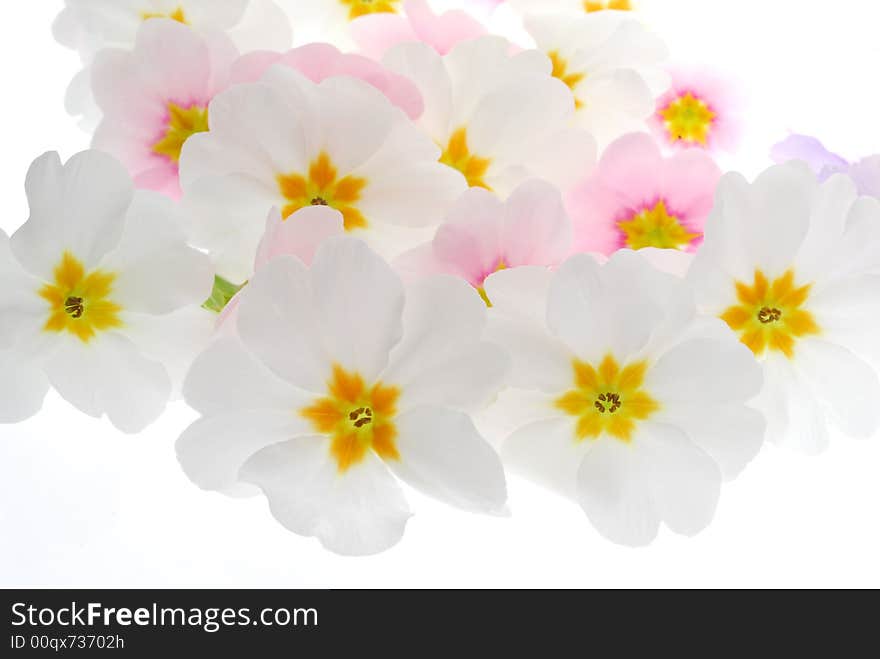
(688, 119)
(457, 155)
(182, 123)
(595, 5)
(571, 78)
(323, 187)
(358, 8)
(771, 316)
(608, 399)
(357, 418)
(80, 302)
(656, 227)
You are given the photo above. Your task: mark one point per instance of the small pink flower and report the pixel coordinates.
(300, 236)
(156, 96)
(319, 61)
(375, 34)
(482, 235)
(638, 199)
(700, 110)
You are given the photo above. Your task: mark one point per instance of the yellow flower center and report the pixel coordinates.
(655, 227)
(356, 418)
(621, 5)
(481, 289)
(323, 187)
(176, 15)
(358, 8)
(608, 399)
(182, 124)
(688, 119)
(771, 316)
(80, 303)
(458, 156)
(572, 80)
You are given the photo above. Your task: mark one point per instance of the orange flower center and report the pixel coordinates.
(771, 316)
(323, 187)
(655, 227)
(182, 124)
(608, 399)
(458, 156)
(688, 119)
(358, 8)
(80, 303)
(357, 418)
(620, 5)
(176, 15)
(571, 79)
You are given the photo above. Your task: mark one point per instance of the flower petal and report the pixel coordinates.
(705, 371)
(615, 493)
(110, 376)
(359, 513)
(547, 453)
(847, 387)
(358, 302)
(213, 449)
(276, 322)
(78, 207)
(685, 482)
(442, 360)
(226, 377)
(22, 387)
(157, 271)
(443, 455)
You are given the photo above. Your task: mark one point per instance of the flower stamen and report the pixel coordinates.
(74, 306)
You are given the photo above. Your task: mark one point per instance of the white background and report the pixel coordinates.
(83, 505)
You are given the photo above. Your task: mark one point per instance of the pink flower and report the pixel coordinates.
(482, 235)
(156, 96)
(700, 110)
(319, 61)
(638, 199)
(300, 236)
(375, 34)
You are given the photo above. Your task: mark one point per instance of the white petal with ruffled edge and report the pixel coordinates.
(443, 455)
(359, 514)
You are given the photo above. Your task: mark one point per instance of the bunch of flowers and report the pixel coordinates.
(424, 245)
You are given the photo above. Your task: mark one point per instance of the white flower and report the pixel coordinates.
(89, 26)
(612, 66)
(287, 142)
(335, 386)
(99, 285)
(638, 406)
(499, 118)
(792, 266)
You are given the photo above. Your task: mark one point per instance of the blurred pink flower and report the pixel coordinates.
(319, 61)
(637, 198)
(376, 33)
(700, 110)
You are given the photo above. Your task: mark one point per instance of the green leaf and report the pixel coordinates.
(222, 293)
